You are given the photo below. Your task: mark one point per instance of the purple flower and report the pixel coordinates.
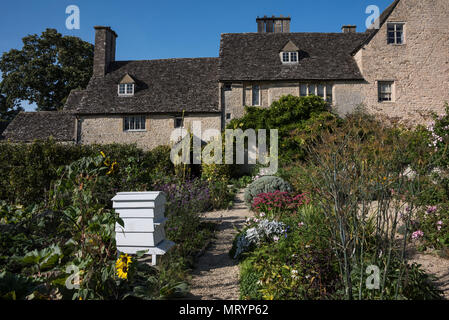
(417, 234)
(431, 209)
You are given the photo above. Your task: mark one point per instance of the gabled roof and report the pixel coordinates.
(30, 126)
(322, 56)
(382, 19)
(162, 86)
(290, 46)
(127, 79)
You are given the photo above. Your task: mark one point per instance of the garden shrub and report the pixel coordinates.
(431, 227)
(264, 185)
(27, 170)
(290, 115)
(274, 205)
(250, 281)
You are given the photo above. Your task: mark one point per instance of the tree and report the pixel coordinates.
(7, 110)
(45, 70)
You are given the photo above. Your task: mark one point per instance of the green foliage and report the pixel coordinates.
(27, 170)
(249, 281)
(264, 185)
(46, 69)
(75, 226)
(290, 115)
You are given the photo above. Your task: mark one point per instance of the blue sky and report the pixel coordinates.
(171, 29)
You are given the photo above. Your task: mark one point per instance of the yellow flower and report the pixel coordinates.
(102, 154)
(122, 266)
(112, 168)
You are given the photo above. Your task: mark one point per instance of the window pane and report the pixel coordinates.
(312, 89)
(399, 37)
(129, 88)
(321, 90)
(256, 95)
(293, 56)
(121, 89)
(178, 123)
(329, 93)
(126, 123)
(285, 57)
(385, 91)
(142, 122)
(131, 123)
(303, 90)
(137, 123)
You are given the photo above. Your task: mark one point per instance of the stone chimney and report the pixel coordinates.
(273, 24)
(104, 52)
(349, 29)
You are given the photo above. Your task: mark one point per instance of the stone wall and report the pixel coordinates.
(347, 95)
(109, 129)
(419, 68)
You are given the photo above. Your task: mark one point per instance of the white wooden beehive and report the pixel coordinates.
(144, 221)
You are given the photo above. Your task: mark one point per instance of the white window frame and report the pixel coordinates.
(390, 92)
(326, 87)
(127, 86)
(395, 24)
(289, 54)
(140, 122)
(258, 98)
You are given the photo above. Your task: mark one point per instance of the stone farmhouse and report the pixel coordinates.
(399, 71)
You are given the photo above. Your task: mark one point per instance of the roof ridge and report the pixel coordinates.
(382, 19)
(168, 59)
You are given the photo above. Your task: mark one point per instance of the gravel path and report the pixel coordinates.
(437, 266)
(216, 275)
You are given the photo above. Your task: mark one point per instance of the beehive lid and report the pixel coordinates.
(149, 199)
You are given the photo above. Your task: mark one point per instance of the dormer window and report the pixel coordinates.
(126, 86)
(289, 57)
(289, 53)
(126, 89)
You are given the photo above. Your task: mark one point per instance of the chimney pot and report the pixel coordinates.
(273, 24)
(349, 29)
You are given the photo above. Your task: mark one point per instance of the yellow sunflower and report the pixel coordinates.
(122, 266)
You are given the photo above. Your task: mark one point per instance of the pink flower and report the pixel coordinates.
(440, 222)
(417, 234)
(431, 209)
(276, 238)
(300, 224)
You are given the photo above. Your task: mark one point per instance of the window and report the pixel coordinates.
(312, 89)
(256, 95)
(179, 123)
(322, 90)
(134, 123)
(289, 57)
(126, 89)
(329, 93)
(385, 91)
(395, 33)
(303, 90)
(228, 116)
(227, 87)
